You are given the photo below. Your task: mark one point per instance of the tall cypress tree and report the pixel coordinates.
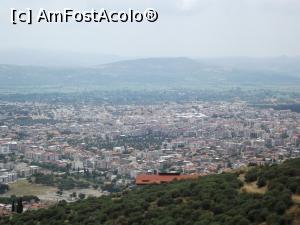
(20, 206)
(13, 206)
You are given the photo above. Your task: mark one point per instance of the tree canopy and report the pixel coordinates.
(213, 199)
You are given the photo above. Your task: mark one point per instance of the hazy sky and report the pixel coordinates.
(195, 28)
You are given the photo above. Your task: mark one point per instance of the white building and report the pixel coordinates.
(4, 149)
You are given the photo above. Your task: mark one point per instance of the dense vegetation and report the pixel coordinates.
(145, 96)
(3, 188)
(51, 166)
(214, 199)
(283, 178)
(292, 107)
(137, 141)
(77, 179)
(64, 182)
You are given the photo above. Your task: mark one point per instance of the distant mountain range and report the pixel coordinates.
(155, 73)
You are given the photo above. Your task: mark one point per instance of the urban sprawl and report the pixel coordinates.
(110, 145)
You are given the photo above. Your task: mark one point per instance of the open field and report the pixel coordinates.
(23, 187)
(47, 193)
(296, 198)
(251, 187)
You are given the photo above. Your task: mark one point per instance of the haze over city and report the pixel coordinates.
(191, 28)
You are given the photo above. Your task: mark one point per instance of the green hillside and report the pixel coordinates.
(210, 200)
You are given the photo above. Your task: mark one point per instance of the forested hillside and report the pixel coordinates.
(215, 199)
